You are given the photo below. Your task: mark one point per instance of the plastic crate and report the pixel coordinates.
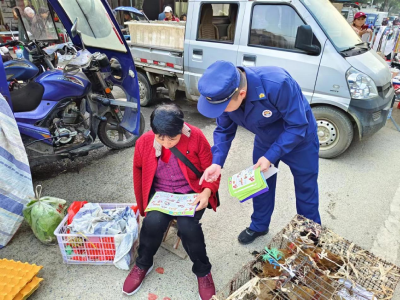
(92, 249)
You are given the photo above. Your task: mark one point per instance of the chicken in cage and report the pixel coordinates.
(306, 261)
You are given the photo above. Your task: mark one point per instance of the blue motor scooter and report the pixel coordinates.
(61, 113)
(43, 58)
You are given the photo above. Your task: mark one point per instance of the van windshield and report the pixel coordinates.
(334, 25)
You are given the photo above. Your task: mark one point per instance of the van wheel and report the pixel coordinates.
(146, 91)
(335, 131)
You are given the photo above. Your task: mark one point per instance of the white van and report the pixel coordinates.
(347, 84)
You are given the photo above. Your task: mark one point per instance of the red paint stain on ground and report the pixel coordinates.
(160, 270)
(152, 297)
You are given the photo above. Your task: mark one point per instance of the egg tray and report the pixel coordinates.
(18, 280)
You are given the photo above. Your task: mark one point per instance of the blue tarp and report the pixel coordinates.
(15, 180)
(130, 9)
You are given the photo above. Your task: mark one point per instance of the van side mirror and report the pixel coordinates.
(304, 40)
(74, 28)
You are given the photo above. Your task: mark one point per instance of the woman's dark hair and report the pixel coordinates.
(183, 15)
(167, 120)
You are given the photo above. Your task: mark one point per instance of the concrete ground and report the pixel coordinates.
(359, 199)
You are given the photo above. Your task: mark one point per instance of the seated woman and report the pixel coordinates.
(155, 169)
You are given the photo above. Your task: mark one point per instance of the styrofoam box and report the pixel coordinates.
(162, 34)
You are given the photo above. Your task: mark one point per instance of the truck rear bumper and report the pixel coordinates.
(371, 114)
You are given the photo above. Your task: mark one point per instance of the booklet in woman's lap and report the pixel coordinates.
(178, 205)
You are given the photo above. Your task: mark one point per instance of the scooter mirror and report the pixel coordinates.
(74, 28)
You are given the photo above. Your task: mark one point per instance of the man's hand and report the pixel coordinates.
(263, 163)
(211, 174)
(202, 199)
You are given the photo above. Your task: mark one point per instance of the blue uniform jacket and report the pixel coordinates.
(275, 110)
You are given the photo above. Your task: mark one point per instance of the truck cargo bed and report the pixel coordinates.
(158, 58)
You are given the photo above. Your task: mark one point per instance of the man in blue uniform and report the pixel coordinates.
(268, 102)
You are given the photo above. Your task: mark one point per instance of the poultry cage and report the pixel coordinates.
(308, 262)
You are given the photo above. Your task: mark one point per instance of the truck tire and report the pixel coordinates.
(146, 91)
(335, 131)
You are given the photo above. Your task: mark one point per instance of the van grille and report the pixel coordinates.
(376, 115)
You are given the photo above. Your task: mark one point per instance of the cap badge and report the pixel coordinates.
(208, 98)
(267, 113)
(261, 95)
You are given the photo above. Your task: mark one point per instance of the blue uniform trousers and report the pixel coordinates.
(303, 163)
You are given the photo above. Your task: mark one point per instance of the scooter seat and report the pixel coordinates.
(27, 98)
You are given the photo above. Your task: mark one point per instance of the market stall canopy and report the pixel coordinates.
(130, 9)
(133, 10)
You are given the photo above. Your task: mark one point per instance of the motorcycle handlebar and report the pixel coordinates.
(10, 43)
(15, 43)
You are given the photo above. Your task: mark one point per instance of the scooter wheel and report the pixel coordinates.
(118, 138)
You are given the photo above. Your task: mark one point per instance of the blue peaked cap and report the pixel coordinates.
(219, 82)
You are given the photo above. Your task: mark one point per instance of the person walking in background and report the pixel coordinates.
(30, 5)
(169, 15)
(42, 25)
(161, 16)
(29, 15)
(359, 26)
(22, 35)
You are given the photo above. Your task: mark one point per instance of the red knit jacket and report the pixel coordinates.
(196, 148)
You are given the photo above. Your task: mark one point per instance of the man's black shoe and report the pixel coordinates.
(248, 236)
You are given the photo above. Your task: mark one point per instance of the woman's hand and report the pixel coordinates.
(202, 199)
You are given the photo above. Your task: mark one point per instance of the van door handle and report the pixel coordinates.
(249, 60)
(197, 54)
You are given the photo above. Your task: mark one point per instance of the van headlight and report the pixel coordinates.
(361, 86)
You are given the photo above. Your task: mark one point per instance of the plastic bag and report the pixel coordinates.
(44, 215)
(73, 209)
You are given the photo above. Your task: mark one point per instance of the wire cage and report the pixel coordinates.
(308, 262)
